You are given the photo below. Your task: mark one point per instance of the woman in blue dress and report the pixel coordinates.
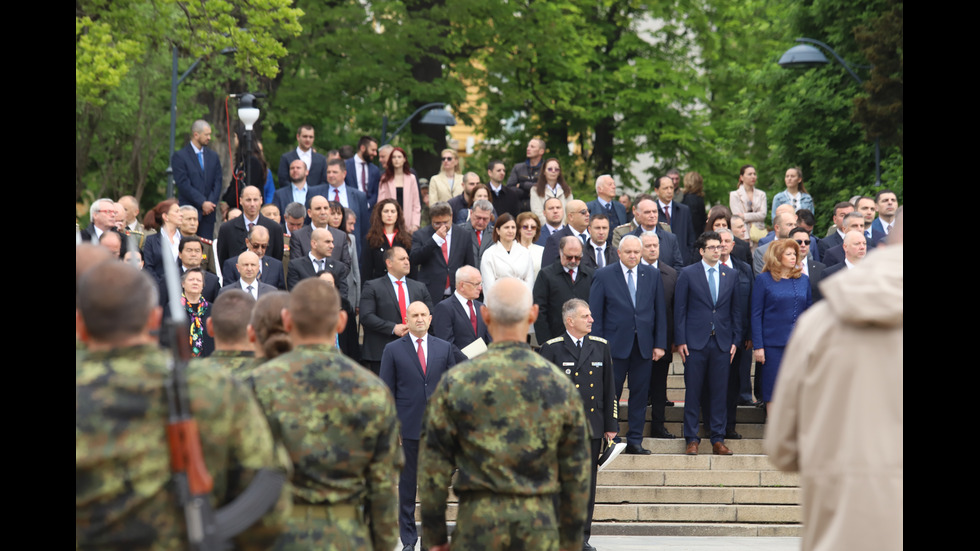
(780, 294)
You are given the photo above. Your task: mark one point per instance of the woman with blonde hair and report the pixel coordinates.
(449, 182)
(780, 295)
(694, 198)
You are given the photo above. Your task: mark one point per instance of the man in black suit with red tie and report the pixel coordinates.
(439, 251)
(457, 319)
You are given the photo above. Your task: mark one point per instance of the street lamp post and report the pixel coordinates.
(437, 116)
(807, 56)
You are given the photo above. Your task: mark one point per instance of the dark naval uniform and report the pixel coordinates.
(591, 370)
(513, 426)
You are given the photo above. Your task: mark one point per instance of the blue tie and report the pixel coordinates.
(631, 285)
(200, 159)
(613, 219)
(712, 286)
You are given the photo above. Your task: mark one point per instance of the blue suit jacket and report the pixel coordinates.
(683, 229)
(877, 231)
(617, 320)
(318, 168)
(402, 372)
(195, 186)
(451, 322)
(373, 176)
(595, 207)
(271, 272)
(695, 314)
(360, 205)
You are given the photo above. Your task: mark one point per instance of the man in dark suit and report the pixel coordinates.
(645, 214)
(886, 203)
(248, 267)
(598, 252)
(677, 216)
(707, 326)
(384, 304)
(103, 217)
(855, 248)
(190, 255)
(349, 197)
(740, 374)
(197, 175)
(628, 305)
(362, 174)
(505, 198)
(812, 269)
(554, 215)
(316, 164)
(782, 223)
(478, 227)
(298, 188)
(852, 222)
(438, 251)
(587, 361)
(411, 367)
(606, 203)
(319, 213)
(660, 368)
(233, 233)
(841, 210)
(457, 319)
(577, 225)
(321, 246)
(556, 284)
(270, 269)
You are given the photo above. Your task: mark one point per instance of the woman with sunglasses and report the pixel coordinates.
(551, 183)
(448, 183)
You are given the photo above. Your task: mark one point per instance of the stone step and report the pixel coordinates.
(753, 479)
(747, 430)
(677, 445)
(636, 495)
(702, 462)
(644, 512)
(695, 529)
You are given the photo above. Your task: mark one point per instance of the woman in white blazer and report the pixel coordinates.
(506, 257)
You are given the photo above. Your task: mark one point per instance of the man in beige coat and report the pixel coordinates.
(838, 412)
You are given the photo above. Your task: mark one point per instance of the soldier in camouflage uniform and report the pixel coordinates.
(514, 426)
(228, 325)
(338, 422)
(123, 495)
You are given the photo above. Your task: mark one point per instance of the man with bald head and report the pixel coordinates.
(198, 176)
(782, 223)
(248, 268)
(784, 208)
(646, 218)
(270, 270)
(855, 249)
(854, 221)
(233, 233)
(319, 214)
(507, 498)
(606, 203)
(319, 260)
(556, 284)
(576, 225)
(457, 319)
(298, 189)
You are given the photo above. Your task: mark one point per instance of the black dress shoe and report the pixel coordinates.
(733, 436)
(588, 547)
(668, 404)
(636, 450)
(661, 434)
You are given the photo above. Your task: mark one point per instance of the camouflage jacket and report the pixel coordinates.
(123, 495)
(513, 424)
(338, 422)
(236, 362)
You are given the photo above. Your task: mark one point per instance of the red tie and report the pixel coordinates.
(421, 356)
(472, 316)
(401, 301)
(571, 274)
(336, 194)
(445, 256)
(479, 238)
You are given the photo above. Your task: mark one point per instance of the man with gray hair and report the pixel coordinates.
(478, 228)
(854, 221)
(507, 487)
(457, 319)
(197, 174)
(103, 219)
(606, 203)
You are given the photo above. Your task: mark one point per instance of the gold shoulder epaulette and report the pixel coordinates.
(556, 339)
(600, 339)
